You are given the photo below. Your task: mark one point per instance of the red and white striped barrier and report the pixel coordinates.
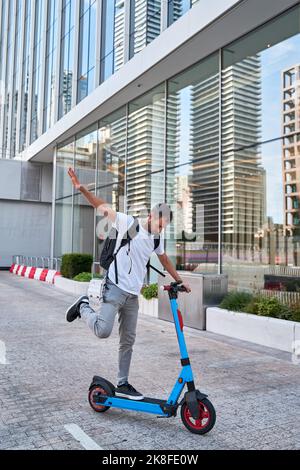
(40, 274)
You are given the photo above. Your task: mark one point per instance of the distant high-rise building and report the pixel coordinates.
(119, 34)
(145, 23)
(243, 182)
(243, 187)
(291, 149)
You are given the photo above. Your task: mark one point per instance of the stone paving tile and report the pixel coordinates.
(44, 386)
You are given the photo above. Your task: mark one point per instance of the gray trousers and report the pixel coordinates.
(115, 300)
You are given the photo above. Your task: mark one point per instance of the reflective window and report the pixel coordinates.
(67, 57)
(177, 8)
(7, 81)
(145, 150)
(253, 70)
(64, 200)
(112, 37)
(51, 68)
(16, 75)
(111, 158)
(111, 164)
(25, 76)
(2, 33)
(260, 183)
(84, 214)
(87, 53)
(37, 69)
(144, 24)
(167, 148)
(2, 55)
(192, 178)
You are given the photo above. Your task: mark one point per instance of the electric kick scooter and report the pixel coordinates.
(197, 412)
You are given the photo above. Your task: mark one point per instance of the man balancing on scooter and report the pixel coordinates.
(133, 244)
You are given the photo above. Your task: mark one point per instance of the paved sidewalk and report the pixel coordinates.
(50, 364)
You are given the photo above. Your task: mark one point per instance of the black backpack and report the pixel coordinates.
(108, 255)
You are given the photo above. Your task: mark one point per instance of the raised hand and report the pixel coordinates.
(75, 181)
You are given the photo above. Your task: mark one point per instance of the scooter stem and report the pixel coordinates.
(180, 335)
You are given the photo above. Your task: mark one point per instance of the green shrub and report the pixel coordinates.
(295, 310)
(260, 305)
(272, 307)
(75, 263)
(150, 292)
(252, 305)
(83, 277)
(86, 277)
(236, 301)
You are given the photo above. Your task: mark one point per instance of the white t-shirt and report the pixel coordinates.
(132, 264)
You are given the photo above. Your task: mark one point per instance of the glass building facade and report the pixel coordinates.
(219, 142)
(54, 53)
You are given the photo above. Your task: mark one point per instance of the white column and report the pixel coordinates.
(75, 52)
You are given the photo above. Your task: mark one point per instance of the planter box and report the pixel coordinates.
(73, 287)
(271, 332)
(148, 307)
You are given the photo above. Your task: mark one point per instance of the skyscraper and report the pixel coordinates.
(291, 149)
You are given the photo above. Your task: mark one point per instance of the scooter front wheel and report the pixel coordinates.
(93, 392)
(206, 419)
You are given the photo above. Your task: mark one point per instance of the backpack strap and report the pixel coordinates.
(131, 232)
(156, 242)
(156, 245)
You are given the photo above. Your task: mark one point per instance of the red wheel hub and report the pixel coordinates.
(203, 419)
(98, 390)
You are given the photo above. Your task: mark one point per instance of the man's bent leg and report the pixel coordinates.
(101, 322)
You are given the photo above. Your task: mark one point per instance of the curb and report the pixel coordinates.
(40, 274)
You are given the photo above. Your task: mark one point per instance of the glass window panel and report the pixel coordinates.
(64, 160)
(144, 25)
(87, 53)
(253, 71)
(85, 167)
(111, 165)
(63, 226)
(192, 179)
(177, 8)
(111, 158)
(92, 35)
(261, 215)
(145, 153)
(107, 39)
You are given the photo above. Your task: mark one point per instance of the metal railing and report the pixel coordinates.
(45, 262)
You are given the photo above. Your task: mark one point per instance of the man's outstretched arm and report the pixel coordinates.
(99, 204)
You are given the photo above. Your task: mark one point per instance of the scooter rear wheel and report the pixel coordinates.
(206, 420)
(102, 390)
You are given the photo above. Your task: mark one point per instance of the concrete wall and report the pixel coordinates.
(25, 209)
(25, 229)
(16, 179)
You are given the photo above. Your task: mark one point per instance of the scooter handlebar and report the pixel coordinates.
(176, 285)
